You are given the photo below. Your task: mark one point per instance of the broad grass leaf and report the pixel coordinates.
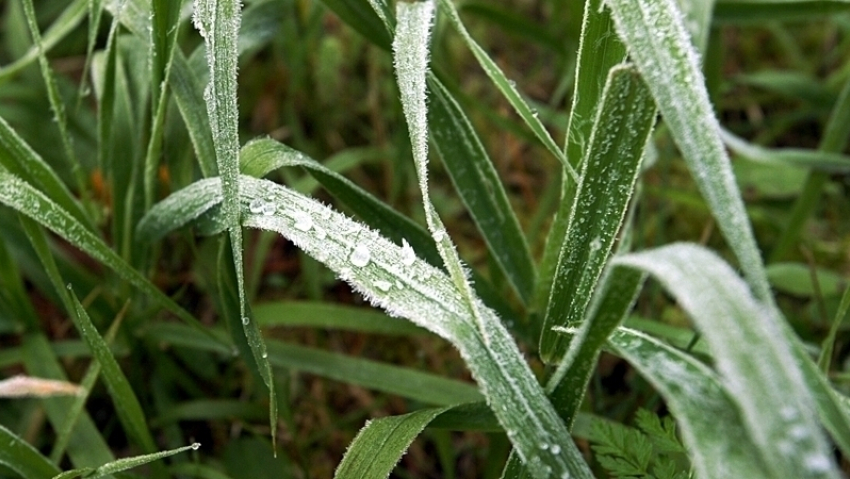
(621, 130)
(752, 354)
(19, 456)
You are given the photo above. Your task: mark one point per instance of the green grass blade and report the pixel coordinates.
(510, 92)
(21, 457)
(478, 185)
(513, 24)
(749, 346)
(392, 277)
(599, 51)
(812, 159)
(404, 382)
(708, 418)
(360, 16)
(126, 403)
(380, 444)
(56, 103)
(330, 316)
(660, 47)
(760, 11)
(187, 93)
(218, 22)
(828, 345)
(124, 464)
(19, 158)
(61, 27)
(621, 130)
(24, 198)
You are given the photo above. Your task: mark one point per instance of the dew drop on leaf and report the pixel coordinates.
(320, 232)
(245, 320)
(556, 449)
(303, 221)
(383, 285)
(256, 206)
(196, 446)
(268, 208)
(439, 235)
(408, 256)
(360, 256)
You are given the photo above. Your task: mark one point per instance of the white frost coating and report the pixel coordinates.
(383, 285)
(360, 256)
(256, 206)
(749, 348)
(659, 44)
(268, 208)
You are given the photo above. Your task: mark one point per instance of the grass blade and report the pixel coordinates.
(751, 352)
(124, 464)
(660, 47)
(330, 316)
(127, 405)
(708, 419)
(599, 51)
(621, 129)
(477, 183)
(218, 22)
(815, 160)
(21, 457)
(760, 11)
(510, 92)
(381, 443)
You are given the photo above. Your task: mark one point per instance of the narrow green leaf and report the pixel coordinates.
(621, 129)
(749, 346)
(825, 358)
(478, 185)
(330, 316)
(599, 51)
(816, 160)
(25, 199)
(508, 89)
(404, 382)
(187, 93)
(126, 403)
(381, 443)
(21, 457)
(218, 22)
(760, 11)
(61, 27)
(660, 47)
(361, 17)
(708, 418)
(124, 464)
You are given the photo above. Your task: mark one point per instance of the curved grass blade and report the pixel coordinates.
(708, 418)
(752, 354)
(813, 159)
(760, 11)
(21, 160)
(508, 89)
(127, 405)
(392, 277)
(19, 456)
(61, 27)
(330, 316)
(478, 185)
(25, 199)
(621, 129)
(381, 443)
(361, 17)
(123, 464)
(187, 93)
(56, 103)
(660, 47)
(218, 22)
(599, 51)
(404, 382)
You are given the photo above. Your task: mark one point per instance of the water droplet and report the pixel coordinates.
(320, 232)
(439, 235)
(383, 285)
(556, 449)
(544, 446)
(399, 284)
(512, 83)
(196, 446)
(256, 206)
(303, 221)
(265, 355)
(360, 256)
(595, 245)
(408, 256)
(245, 320)
(268, 208)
